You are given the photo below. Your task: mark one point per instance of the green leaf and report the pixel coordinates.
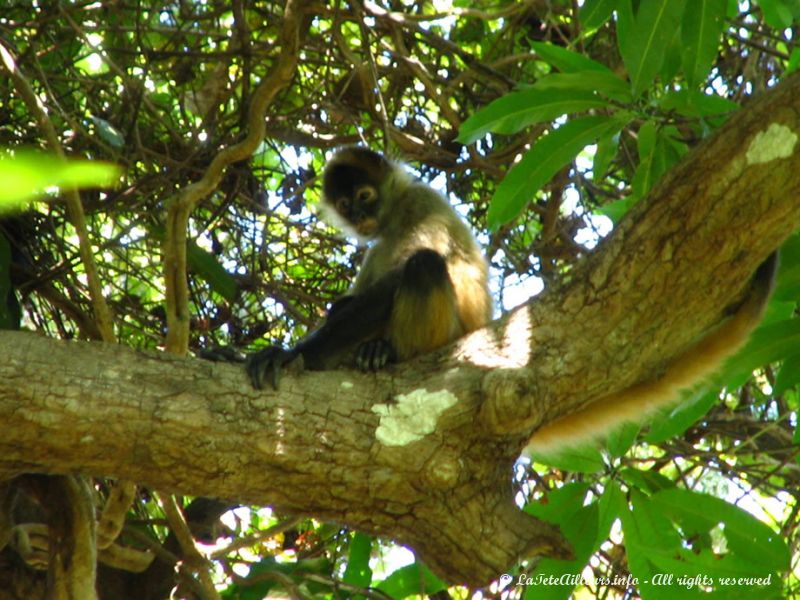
(672, 423)
(607, 147)
(580, 459)
(108, 133)
(672, 58)
(787, 287)
(777, 13)
(747, 537)
(657, 153)
(618, 209)
(358, 572)
(619, 441)
(579, 524)
(794, 61)
(645, 481)
(610, 506)
(27, 175)
(411, 580)
(694, 103)
(789, 375)
(517, 110)
(646, 529)
(581, 529)
(645, 176)
(626, 28)
(643, 41)
(701, 29)
(565, 60)
(595, 13)
(550, 153)
(603, 82)
(768, 343)
(559, 504)
(208, 267)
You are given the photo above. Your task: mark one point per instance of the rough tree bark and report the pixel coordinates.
(334, 445)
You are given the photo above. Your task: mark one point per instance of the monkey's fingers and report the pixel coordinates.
(374, 355)
(270, 361)
(276, 374)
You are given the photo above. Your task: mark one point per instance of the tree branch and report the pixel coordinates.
(423, 453)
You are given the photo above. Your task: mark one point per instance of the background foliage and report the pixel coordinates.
(594, 99)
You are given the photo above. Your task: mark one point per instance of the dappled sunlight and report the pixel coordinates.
(273, 443)
(508, 348)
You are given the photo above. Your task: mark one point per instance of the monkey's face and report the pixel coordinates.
(355, 198)
(360, 209)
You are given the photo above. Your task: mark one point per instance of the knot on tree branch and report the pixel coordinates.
(510, 405)
(444, 470)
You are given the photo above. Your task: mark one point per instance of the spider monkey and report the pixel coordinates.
(423, 282)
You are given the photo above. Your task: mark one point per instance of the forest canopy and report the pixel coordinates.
(625, 166)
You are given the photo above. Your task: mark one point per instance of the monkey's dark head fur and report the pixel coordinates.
(351, 187)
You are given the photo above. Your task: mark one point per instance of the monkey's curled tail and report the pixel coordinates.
(634, 404)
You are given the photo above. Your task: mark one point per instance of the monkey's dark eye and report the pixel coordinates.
(366, 194)
(343, 205)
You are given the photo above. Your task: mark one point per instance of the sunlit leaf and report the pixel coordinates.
(28, 175)
(747, 537)
(619, 441)
(517, 110)
(411, 580)
(579, 524)
(552, 152)
(578, 458)
(358, 571)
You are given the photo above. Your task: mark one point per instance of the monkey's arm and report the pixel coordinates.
(352, 319)
(603, 415)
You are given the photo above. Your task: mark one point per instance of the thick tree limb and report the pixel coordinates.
(338, 445)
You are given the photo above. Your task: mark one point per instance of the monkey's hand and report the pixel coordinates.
(374, 355)
(268, 362)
